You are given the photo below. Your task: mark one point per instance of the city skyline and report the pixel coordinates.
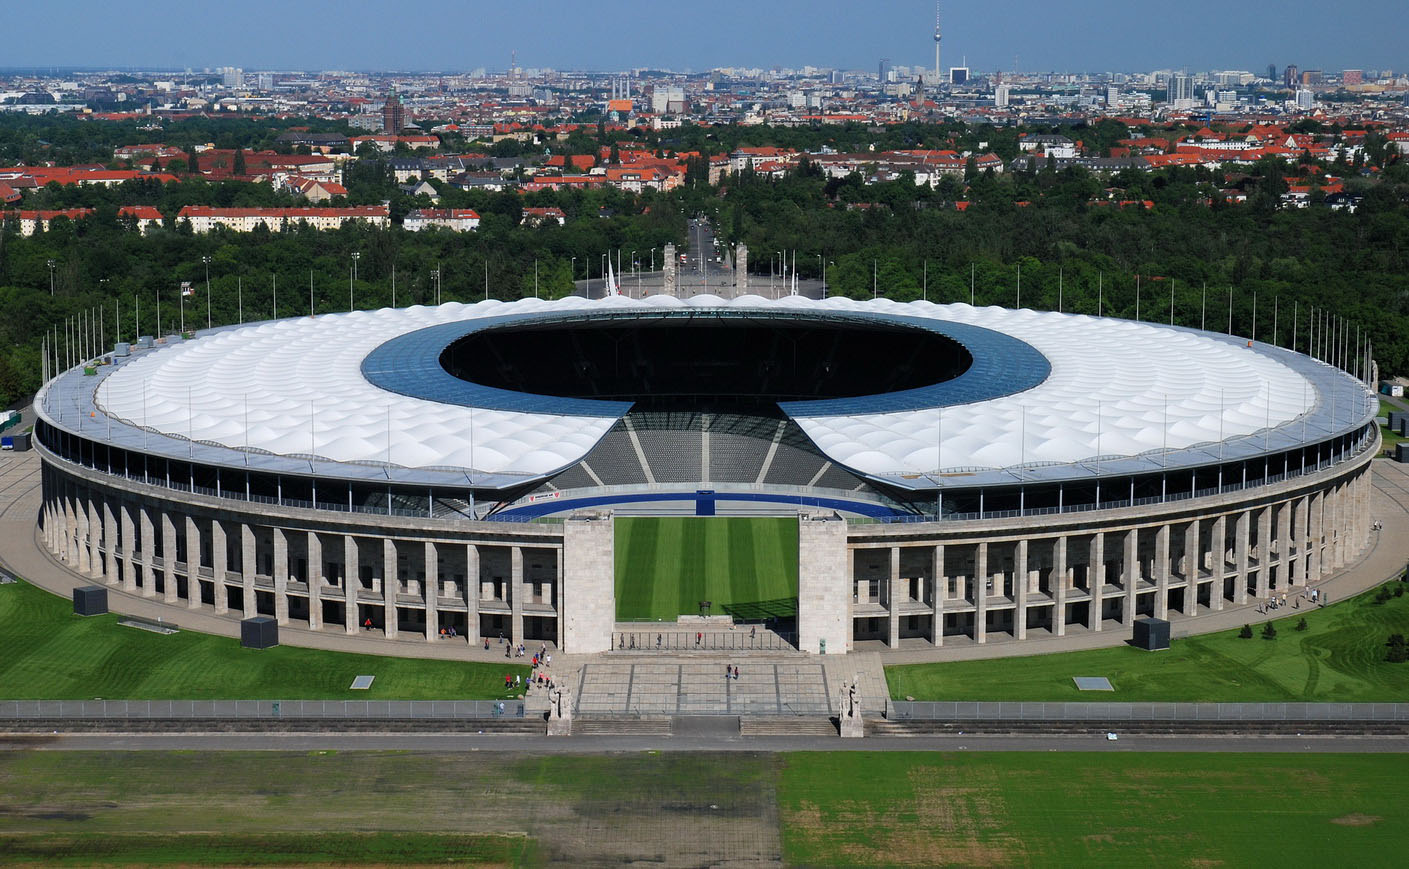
(1089, 36)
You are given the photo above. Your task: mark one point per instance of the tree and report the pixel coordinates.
(238, 167)
(1269, 632)
(1301, 623)
(193, 160)
(1398, 649)
(1245, 633)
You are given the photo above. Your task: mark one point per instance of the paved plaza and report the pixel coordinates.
(695, 687)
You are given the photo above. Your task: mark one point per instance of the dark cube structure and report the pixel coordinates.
(260, 632)
(90, 600)
(1151, 634)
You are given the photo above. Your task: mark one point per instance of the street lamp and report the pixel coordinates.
(206, 261)
(51, 276)
(823, 262)
(572, 274)
(638, 274)
(352, 276)
(435, 277)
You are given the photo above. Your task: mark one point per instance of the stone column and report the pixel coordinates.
(941, 592)
(1191, 568)
(168, 557)
(589, 591)
(431, 589)
(71, 534)
(1240, 582)
(1300, 532)
(981, 594)
(351, 583)
(557, 597)
(193, 564)
(129, 547)
(1061, 582)
(741, 270)
(1218, 561)
(1132, 575)
(668, 271)
(1314, 554)
(391, 585)
(111, 543)
(473, 592)
(218, 552)
(149, 536)
(1020, 582)
(315, 581)
(1162, 572)
(1264, 551)
(1284, 544)
(248, 567)
(281, 575)
(1098, 581)
(516, 594)
(893, 608)
(1335, 515)
(824, 585)
(95, 538)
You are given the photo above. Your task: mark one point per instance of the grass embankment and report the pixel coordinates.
(695, 808)
(1339, 658)
(743, 566)
(48, 653)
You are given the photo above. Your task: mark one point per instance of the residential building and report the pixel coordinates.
(453, 219)
(205, 218)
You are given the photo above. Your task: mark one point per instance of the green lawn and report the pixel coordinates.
(48, 653)
(1339, 658)
(1081, 809)
(833, 809)
(744, 566)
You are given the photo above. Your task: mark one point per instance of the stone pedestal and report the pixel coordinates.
(589, 584)
(669, 270)
(824, 596)
(560, 713)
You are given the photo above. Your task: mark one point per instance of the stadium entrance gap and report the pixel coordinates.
(745, 567)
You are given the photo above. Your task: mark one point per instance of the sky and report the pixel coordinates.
(1029, 35)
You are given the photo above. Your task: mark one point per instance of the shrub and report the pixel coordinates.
(1301, 623)
(1269, 632)
(1398, 650)
(1246, 632)
(1383, 594)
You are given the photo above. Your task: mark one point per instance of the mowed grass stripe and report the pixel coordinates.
(690, 588)
(636, 543)
(742, 561)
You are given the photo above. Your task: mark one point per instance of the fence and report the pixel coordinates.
(256, 709)
(903, 710)
(740, 640)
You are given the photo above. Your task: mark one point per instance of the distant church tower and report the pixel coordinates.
(393, 114)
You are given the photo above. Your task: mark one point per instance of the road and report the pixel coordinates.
(538, 745)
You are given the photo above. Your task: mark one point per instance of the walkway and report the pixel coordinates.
(22, 553)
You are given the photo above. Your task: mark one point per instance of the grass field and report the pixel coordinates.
(1073, 809)
(48, 653)
(702, 809)
(1338, 658)
(744, 566)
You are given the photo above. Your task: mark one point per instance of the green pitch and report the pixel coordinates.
(744, 566)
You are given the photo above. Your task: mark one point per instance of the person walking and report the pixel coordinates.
(736, 672)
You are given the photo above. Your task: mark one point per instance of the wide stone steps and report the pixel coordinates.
(786, 725)
(623, 726)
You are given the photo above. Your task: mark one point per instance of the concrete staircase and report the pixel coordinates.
(786, 725)
(624, 726)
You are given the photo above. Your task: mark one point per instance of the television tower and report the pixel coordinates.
(938, 76)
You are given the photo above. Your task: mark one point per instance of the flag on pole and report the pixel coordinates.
(187, 289)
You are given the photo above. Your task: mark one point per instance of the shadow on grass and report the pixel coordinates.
(762, 610)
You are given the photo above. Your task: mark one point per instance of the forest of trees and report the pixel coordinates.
(898, 239)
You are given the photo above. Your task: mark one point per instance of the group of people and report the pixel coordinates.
(1277, 601)
(448, 633)
(538, 677)
(731, 671)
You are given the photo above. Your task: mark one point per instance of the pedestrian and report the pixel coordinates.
(736, 672)
(550, 660)
(507, 681)
(486, 644)
(753, 632)
(698, 636)
(508, 651)
(657, 641)
(367, 625)
(535, 662)
(727, 670)
(501, 638)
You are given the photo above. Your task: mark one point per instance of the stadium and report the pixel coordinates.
(588, 472)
